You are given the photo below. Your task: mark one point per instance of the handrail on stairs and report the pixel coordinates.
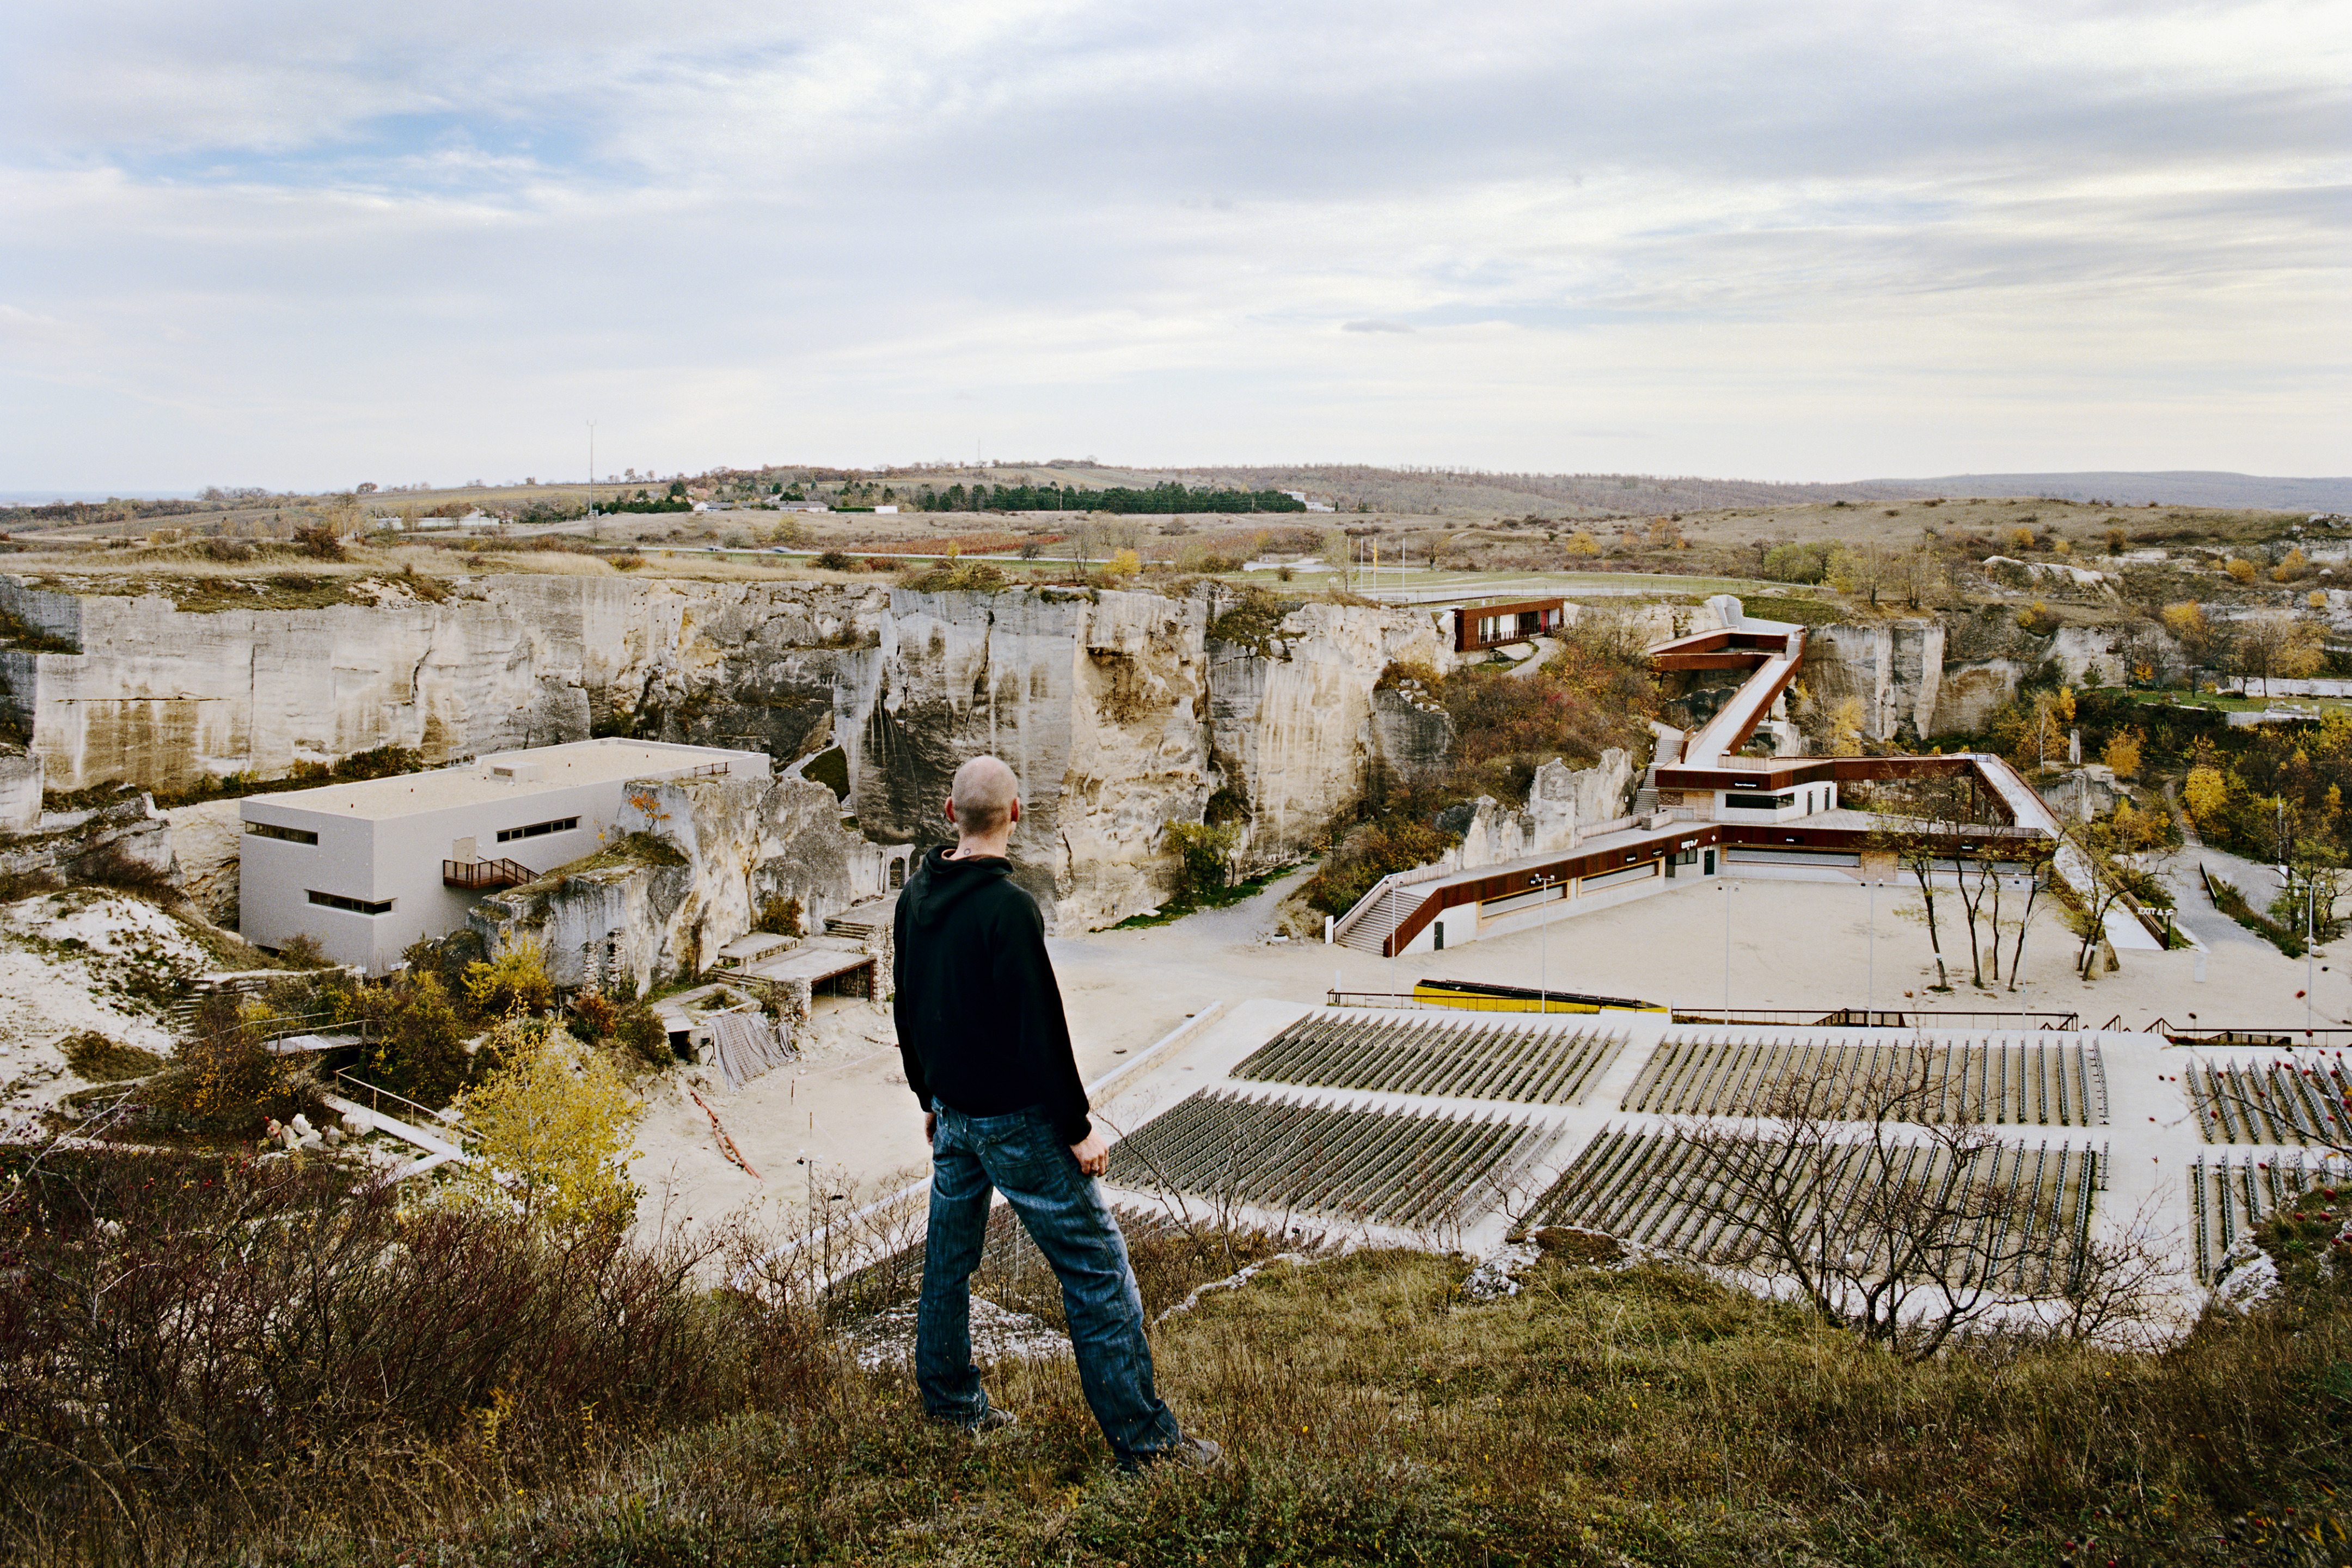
(1378, 890)
(1357, 911)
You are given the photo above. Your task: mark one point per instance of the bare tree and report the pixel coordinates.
(2115, 1286)
(1883, 1199)
(2095, 843)
(2038, 857)
(2275, 644)
(1922, 822)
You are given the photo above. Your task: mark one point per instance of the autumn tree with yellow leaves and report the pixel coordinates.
(551, 1133)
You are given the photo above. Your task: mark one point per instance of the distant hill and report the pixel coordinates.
(2185, 487)
(1432, 491)
(1437, 491)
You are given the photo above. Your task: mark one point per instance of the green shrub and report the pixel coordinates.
(419, 1049)
(954, 576)
(1367, 855)
(1797, 562)
(638, 1030)
(1204, 856)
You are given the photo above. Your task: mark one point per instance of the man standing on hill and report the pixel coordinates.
(988, 1055)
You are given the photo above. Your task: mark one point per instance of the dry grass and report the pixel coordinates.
(370, 1386)
(1602, 1416)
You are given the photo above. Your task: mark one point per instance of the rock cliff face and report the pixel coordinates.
(1562, 804)
(1095, 700)
(205, 839)
(1895, 668)
(1118, 709)
(1281, 714)
(709, 853)
(164, 698)
(1946, 676)
(20, 791)
(85, 845)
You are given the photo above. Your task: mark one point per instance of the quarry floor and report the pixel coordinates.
(840, 1127)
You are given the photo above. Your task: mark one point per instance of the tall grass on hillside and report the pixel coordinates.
(209, 1360)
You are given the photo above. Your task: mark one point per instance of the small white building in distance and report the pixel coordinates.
(368, 867)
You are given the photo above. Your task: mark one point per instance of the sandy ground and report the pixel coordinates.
(70, 963)
(843, 1122)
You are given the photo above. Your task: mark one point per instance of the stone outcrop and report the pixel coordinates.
(1919, 679)
(205, 839)
(1562, 804)
(1412, 733)
(1291, 724)
(698, 860)
(91, 845)
(1895, 668)
(20, 791)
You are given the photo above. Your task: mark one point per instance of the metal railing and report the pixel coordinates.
(1881, 1018)
(1380, 889)
(376, 1095)
(1809, 1017)
(2270, 1036)
(475, 875)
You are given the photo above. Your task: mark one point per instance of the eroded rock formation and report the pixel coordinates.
(696, 860)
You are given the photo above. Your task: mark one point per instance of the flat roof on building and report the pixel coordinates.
(534, 772)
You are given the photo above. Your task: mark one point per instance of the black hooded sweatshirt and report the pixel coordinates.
(980, 1017)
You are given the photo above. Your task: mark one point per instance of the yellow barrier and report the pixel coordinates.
(1473, 997)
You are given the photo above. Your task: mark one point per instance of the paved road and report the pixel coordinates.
(2195, 911)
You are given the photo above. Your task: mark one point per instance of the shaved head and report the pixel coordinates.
(983, 795)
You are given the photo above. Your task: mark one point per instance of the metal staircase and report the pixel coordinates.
(1370, 931)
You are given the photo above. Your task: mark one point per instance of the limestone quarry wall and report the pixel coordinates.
(164, 698)
(20, 791)
(1562, 803)
(1895, 668)
(1947, 675)
(1115, 708)
(1291, 723)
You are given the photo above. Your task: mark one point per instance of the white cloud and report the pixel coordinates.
(303, 244)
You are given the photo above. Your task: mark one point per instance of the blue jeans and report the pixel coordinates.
(1063, 1212)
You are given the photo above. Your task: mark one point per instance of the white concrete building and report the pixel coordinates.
(369, 868)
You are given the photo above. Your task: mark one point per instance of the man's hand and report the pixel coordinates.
(1093, 1155)
(930, 1126)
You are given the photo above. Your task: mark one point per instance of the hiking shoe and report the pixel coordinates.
(992, 1419)
(1191, 1454)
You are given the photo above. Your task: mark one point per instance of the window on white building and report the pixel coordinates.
(356, 906)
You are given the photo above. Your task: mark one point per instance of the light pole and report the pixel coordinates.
(592, 473)
(1725, 885)
(1870, 984)
(1543, 937)
(2017, 969)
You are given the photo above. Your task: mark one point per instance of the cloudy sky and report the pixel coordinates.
(319, 243)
